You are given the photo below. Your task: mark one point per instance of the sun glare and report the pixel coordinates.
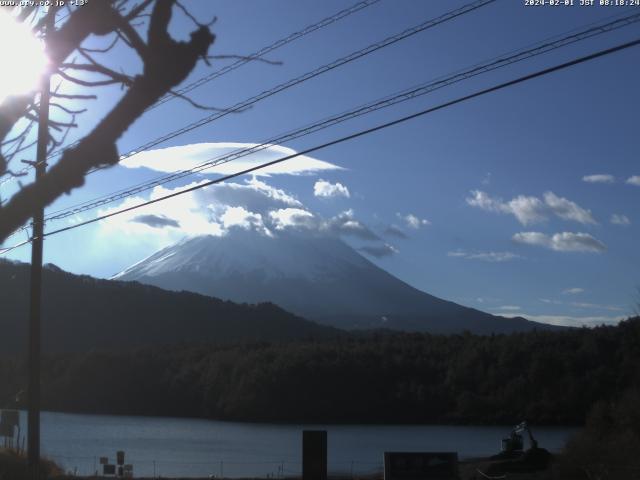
(21, 56)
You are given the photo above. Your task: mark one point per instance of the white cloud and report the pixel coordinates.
(612, 308)
(509, 308)
(395, 231)
(567, 209)
(599, 178)
(292, 217)
(325, 189)
(527, 210)
(217, 209)
(482, 200)
(619, 219)
(485, 256)
(572, 291)
(562, 242)
(242, 218)
(379, 251)
(553, 302)
(413, 221)
(156, 221)
(254, 195)
(530, 210)
(345, 223)
(126, 228)
(571, 321)
(208, 211)
(591, 306)
(635, 180)
(185, 157)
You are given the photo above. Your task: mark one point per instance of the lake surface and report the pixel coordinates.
(191, 447)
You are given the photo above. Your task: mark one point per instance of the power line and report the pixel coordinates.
(295, 81)
(361, 133)
(242, 61)
(311, 74)
(497, 62)
(238, 107)
(4, 250)
(268, 49)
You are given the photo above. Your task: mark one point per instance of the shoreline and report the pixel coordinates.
(311, 423)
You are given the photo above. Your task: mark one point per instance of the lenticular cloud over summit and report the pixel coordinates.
(185, 157)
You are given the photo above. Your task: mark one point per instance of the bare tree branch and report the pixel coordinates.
(131, 37)
(73, 97)
(195, 104)
(18, 136)
(137, 10)
(56, 143)
(93, 18)
(21, 147)
(167, 63)
(67, 110)
(13, 174)
(101, 50)
(116, 77)
(194, 19)
(86, 83)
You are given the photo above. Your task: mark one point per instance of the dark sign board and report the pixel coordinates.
(420, 465)
(108, 469)
(314, 455)
(104, 460)
(120, 457)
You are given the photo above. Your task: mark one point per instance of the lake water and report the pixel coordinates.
(191, 447)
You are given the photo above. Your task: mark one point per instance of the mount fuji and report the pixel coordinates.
(319, 277)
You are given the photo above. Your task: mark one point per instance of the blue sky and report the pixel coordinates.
(495, 198)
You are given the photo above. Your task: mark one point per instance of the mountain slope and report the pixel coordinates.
(318, 277)
(81, 313)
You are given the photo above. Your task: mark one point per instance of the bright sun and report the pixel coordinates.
(21, 56)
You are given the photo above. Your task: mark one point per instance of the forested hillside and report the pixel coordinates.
(544, 377)
(82, 313)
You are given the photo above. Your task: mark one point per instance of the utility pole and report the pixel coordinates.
(33, 393)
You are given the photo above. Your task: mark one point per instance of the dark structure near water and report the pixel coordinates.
(314, 455)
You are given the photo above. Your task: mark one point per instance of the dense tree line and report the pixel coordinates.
(608, 448)
(546, 377)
